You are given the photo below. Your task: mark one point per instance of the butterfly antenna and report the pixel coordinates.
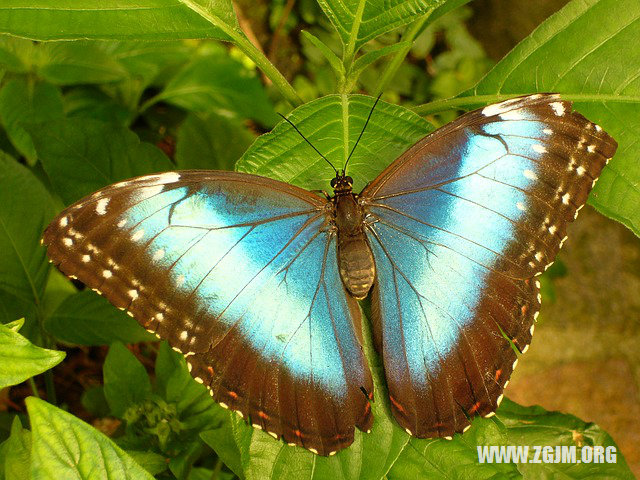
(344, 170)
(311, 144)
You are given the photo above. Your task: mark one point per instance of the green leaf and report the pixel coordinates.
(368, 58)
(22, 101)
(93, 103)
(576, 52)
(331, 57)
(215, 81)
(513, 425)
(150, 461)
(211, 141)
(126, 382)
(17, 451)
(94, 401)
(124, 19)
(222, 442)
(82, 155)
(25, 210)
(88, 319)
(15, 325)
(20, 359)
(333, 124)
(71, 63)
(64, 446)
(358, 21)
(536, 426)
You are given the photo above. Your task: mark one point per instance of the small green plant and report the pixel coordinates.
(91, 95)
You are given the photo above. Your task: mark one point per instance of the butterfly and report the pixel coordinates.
(257, 281)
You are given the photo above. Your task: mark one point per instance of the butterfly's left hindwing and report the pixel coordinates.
(238, 273)
(460, 225)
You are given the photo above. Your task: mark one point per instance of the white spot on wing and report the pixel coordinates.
(86, 258)
(180, 280)
(499, 108)
(580, 170)
(64, 221)
(552, 229)
(565, 198)
(67, 241)
(548, 131)
(511, 115)
(137, 235)
(591, 148)
(158, 254)
(107, 273)
(183, 335)
(133, 294)
(521, 206)
(538, 148)
(530, 174)
(168, 177)
(101, 206)
(558, 108)
(122, 223)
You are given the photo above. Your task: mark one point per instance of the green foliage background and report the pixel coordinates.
(147, 86)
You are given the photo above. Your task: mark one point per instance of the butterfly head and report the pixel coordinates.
(342, 183)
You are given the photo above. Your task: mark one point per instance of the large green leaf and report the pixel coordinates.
(214, 81)
(17, 450)
(64, 446)
(20, 359)
(333, 124)
(23, 101)
(211, 141)
(25, 210)
(116, 19)
(590, 52)
(358, 21)
(81, 155)
(88, 319)
(126, 382)
(513, 425)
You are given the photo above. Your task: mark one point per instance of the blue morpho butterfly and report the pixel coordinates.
(256, 281)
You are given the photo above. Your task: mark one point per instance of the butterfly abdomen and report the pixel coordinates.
(355, 259)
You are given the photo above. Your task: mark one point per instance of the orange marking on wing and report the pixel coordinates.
(298, 433)
(524, 309)
(233, 395)
(210, 370)
(396, 404)
(498, 373)
(475, 407)
(261, 414)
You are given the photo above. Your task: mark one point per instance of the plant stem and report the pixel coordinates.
(350, 47)
(34, 388)
(250, 50)
(468, 102)
(409, 35)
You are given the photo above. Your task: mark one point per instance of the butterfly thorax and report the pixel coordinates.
(355, 259)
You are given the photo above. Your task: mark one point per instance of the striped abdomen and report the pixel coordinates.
(355, 259)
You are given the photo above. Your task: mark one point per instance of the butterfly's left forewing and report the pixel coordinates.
(460, 225)
(238, 273)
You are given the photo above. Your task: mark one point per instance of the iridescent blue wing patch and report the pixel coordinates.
(239, 274)
(460, 225)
